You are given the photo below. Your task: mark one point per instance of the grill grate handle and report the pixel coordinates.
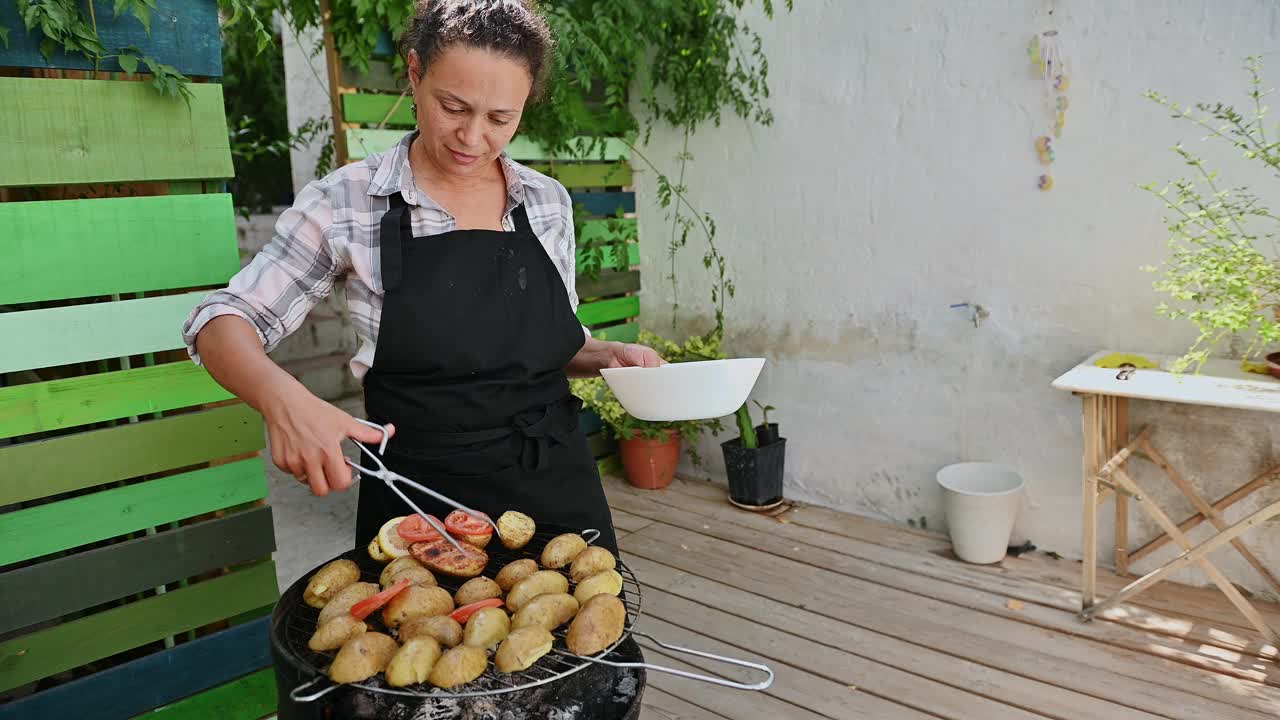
(693, 676)
(303, 694)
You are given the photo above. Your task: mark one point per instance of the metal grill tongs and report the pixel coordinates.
(391, 478)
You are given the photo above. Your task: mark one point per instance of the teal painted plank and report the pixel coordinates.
(605, 204)
(43, 529)
(96, 331)
(64, 132)
(61, 249)
(57, 404)
(69, 645)
(154, 680)
(627, 332)
(184, 34)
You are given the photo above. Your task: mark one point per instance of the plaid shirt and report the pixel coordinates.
(331, 233)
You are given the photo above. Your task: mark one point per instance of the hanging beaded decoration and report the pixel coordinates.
(1049, 63)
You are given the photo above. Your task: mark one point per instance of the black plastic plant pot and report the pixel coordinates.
(755, 474)
(767, 434)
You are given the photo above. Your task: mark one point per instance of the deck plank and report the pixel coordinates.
(664, 706)
(1139, 628)
(805, 659)
(1006, 687)
(958, 617)
(1059, 659)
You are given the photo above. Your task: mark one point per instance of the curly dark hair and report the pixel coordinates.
(514, 28)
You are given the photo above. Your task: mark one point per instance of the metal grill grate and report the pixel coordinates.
(298, 624)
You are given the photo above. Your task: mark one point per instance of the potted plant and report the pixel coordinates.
(1222, 274)
(651, 451)
(754, 461)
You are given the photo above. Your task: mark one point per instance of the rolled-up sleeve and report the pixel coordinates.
(285, 280)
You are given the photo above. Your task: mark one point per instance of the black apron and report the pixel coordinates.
(475, 334)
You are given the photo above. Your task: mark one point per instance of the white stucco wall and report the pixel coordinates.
(307, 89)
(899, 178)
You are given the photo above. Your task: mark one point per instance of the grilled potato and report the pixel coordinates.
(419, 576)
(395, 566)
(329, 581)
(415, 601)
(362, 657)
(413, 662)
(539, 583)
(546, 611)
(522, 648)
(515, 571)
(342, 602)
(608, 581)
(442, 557)
(486, 628)
(598, 625)
(459, 666)
(591, 561)
(562, 550)
(516, 529)
(475, 590)
(335, 633)
(442, 628)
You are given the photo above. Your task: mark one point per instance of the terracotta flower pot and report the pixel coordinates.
(650, 464)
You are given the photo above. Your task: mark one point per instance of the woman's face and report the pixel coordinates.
(469, 105)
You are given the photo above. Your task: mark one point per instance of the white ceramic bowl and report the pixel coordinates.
(684, 391)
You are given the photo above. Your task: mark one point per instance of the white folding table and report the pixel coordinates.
(1105, 393)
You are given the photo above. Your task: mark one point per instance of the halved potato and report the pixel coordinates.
(608, 581)
(396, 566)
(515, 571)
(486, 628)
(562, 550)
(593, 560)
(539, 583)
(335, 633)
(548, 611)
(598, 625)
(362, 657)
(475, 590)
(516, 529)
(444, 629)
(459, 666)
(522, 648)
(416, 601)
(413, 662)
(329, 581)
(342, 602)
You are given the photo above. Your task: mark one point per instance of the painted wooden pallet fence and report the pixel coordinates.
(182, 33)
(374, 112)
(135, 540)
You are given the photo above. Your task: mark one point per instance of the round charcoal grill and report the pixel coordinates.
(294, 622)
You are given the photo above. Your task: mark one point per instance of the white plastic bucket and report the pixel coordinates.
(981, 500)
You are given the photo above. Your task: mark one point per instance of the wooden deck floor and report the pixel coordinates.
(861, 619)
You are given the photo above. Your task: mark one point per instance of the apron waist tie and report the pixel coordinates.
(538, 426)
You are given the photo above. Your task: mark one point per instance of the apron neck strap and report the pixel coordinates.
(520, 218)
(394, 226)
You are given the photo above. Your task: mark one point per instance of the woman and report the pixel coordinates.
(459, 265)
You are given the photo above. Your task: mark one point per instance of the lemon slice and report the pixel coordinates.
(375, 552)
(390, 541)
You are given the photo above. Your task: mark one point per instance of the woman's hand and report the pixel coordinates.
(306, 435)
(597, 355)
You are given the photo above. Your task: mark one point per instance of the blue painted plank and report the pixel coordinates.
(184, 34)
(605, 203)
(135, 687)
(384, 47)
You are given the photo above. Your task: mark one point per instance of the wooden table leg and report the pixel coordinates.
(1092, 426)
(1118, 420)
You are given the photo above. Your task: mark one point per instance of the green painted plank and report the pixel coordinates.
(604, 232)
(253, 696)
(606, 311)
(609, 283)
(587, 175)
(627, 333)
(46, 652)
(43, 529)
(73, 462)
(362, 142)
(375, 108)
(95, 331)
(57, 404)
(59, 132)
(38, 592)
(61, 249)
(183, 33)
